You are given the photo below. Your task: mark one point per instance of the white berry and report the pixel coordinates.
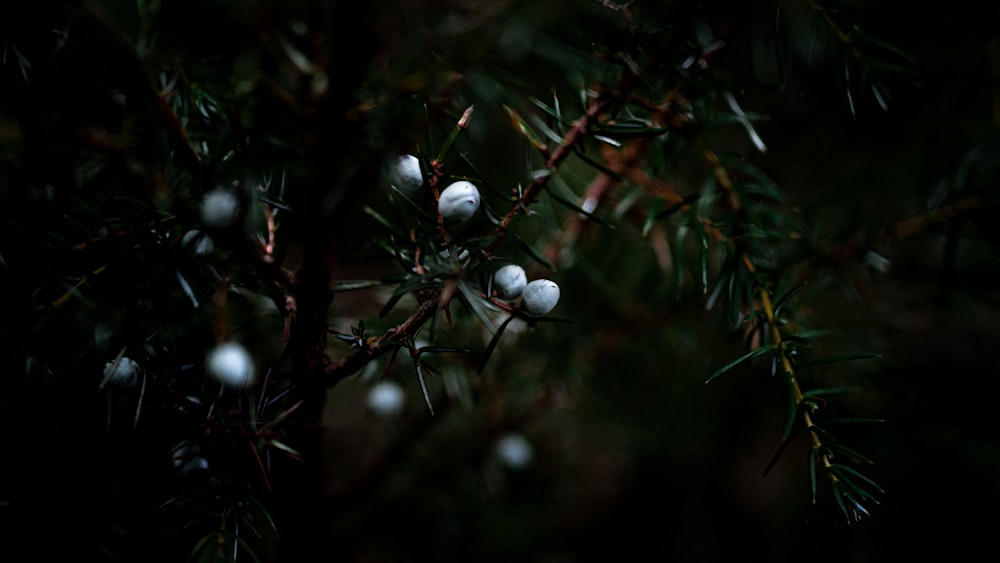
(509, 281)
(404, 173)
(514, 451)
(230, 364)
(386, 398)
(219, 208)
(540, 296)
(123, 373)
(458, 201)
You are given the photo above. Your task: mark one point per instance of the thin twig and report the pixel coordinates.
(534, 189)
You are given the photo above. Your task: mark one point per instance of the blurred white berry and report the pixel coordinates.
(386, 398)
(230, 363)
(404, 173)
(123, 373)
(199, 243)
(459, 201)
(509, 281)
(514, 451)
(219, 208)
(540, 296)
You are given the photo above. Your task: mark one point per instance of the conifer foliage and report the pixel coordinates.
(228, 225)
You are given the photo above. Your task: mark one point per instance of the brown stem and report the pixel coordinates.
(534, 189)
(349, 365)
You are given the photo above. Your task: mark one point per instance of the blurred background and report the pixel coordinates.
(579, 442)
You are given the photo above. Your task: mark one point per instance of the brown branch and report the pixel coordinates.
(623, 163)
(768, 308)
(534, 189)
(349, 365)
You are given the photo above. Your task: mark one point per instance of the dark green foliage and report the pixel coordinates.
(681, 170)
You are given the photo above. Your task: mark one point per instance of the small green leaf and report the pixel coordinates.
(390, 304)
(415, 284)
(631, 130)
(263, 510)
(766, 189)
(477, 304)
(247, 549)
(793, 407)
(352, 285)
(180, 500)
(599, 166)
(785, 442)
(523, 128)
(138, 405)
(419, 210)
(825, 391)
(738, 284)
(836, 359)
(535, 255)
(679, 256)
(707, 195)
(857, 495)
(545, 129)
(755, 353)
(430, 368)
(579, 209)
(851, 420)
(848, 470)
(721, 285)
(883, 44)
(203, 550)
(423, 387)
(840, 503)
(551, 112)
(850, 452)
(702, 250)
(880, 96)
(558, 110)
(812, 334)
(849, 490)
(652, 215)
(442, 349)
(786, 296)
(541, 174)
(607, 140)
(383, 221)
(448, 143)
(492, 345)
(285, 448)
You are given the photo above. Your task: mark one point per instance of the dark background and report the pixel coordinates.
(634, 455)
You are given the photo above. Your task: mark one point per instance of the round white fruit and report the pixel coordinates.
(230, 364)
(386, 398)
(514, 451)
(540, 296)
(510, 281)
(219, 208)
(404, 173)
(459, 201)
(123, 373)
